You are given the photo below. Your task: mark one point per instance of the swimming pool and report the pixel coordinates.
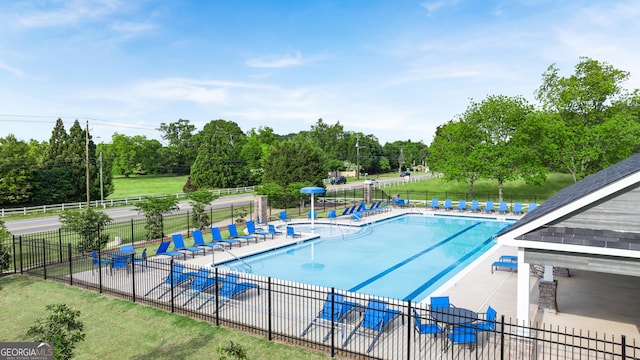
(406, 257)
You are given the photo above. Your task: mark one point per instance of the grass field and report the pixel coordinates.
(118, 329)
(136, 186)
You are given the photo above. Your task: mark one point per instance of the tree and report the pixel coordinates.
(219, 162)
(75, 154)
(88, 224)
(199, 199)
(153, 210)
(180, 151)
(133, 154)
(57, 145)
(589, 130)
(5, 253)
(62, 328)
(295, 161)
(17, 171)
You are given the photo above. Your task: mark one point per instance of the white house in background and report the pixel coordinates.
(592, 225)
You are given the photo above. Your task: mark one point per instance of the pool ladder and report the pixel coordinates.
(235, 257)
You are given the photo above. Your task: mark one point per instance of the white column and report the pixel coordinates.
(522, 309)
(548, 273)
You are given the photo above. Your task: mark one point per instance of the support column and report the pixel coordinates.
(261, 207)
(522, 309)
(548, 288)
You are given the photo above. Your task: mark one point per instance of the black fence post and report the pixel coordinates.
(502, 338)
(99, 270)
(269, 308)
(333, 333)
(44, 257)
(232, 213)
(409, 328)
(13, 246)
(624, 347)
(60, 237)
(217, 297)
(171, 282)
(70, 264)
(133, 276)
(132, 232)
(188, 227)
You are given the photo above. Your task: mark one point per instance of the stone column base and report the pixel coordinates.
(547, 298)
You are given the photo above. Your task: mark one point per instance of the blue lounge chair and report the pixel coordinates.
(502, 208)
(462, 205)
(448, 204)
(260, 223)
(231, 287)
(178, 245)
(315, 214)
(347, 210)
(475, 206)
(163, 249)
(283, 216)
(175, 278)
(377, 318)
(434, 204)
(201, 287)
(273, 231)
(532, 206)
(361, 207)
(233, 233)
(512, 266)
(291, 232)
(251, 229)
(331, 215)
(488, 207)
(198, 240)
(512, 258)
(216, 237)
(334, 310)
(517, 208)
(97, 261)
(357, 216)
(422, 328)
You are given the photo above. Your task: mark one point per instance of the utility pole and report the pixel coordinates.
(86, 150)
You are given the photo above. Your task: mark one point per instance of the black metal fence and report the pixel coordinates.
(301, 314)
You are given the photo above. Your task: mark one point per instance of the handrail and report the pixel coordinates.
(232, 255)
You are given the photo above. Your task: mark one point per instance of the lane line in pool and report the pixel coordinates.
(446, 270)
(411, 258)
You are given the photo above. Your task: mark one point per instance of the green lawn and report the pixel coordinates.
(146, 185)
(119, 329)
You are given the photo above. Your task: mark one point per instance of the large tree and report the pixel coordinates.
(591, 126)
(219, 163)
(130, 155)
(295, 161)
(17, 171)
(180, 152)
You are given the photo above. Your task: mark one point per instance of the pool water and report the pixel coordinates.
(407, 257)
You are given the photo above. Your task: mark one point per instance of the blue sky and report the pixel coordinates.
(395, 69)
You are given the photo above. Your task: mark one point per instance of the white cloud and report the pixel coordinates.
(279, 61)
(10, 69)
(435, 6)
(71, 13)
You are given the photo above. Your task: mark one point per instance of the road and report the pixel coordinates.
(48, 223)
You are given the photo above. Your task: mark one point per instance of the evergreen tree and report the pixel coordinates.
(57, 145)
(17, 171)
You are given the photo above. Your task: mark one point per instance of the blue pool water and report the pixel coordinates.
(407, 257)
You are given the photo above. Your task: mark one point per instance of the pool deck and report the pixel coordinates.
(588, 301)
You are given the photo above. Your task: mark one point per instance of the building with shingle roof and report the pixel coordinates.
(591, 225)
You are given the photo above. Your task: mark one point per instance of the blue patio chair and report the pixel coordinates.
(462, 205)
(233, 233)
(119, 262)
(488, 207)
(435, 204)
(502, 208)
(201, 287)
(448, 204)
(127, 248)
(377, 318)
(97, 261)
(198, 240)
(273, 231)
(439, 302)
(517, 208)
(216, 237)
(251, 230)
(475, 206)
(178, 245)
(462, 335)
(232, 287)
(425, 328)
(361, 207)
(499, 265)
(532, 206)
(489, 322)
(260, 222)
(512, 258)
(163, 249)
(142, 259)
(175, 278)
(357, 216)
(309, 215)
(283, 216)
(291, 232)
(331, 215)
(334, 310)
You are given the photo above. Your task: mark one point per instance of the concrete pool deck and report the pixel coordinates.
(588, 301)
